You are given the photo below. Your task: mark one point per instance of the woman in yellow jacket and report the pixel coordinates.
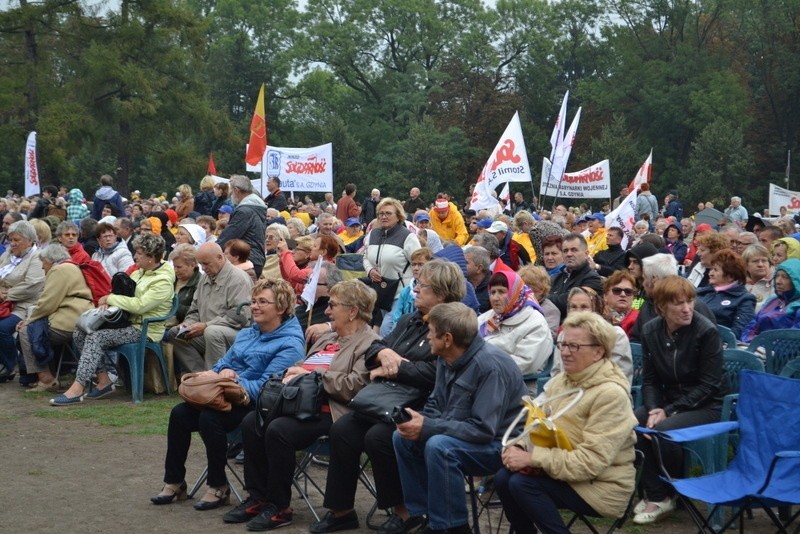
(596, 478)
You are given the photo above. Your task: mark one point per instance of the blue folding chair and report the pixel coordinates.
(135, 354)
(766, 468)
(780, 347)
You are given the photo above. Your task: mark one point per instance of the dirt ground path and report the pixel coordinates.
(74, 475)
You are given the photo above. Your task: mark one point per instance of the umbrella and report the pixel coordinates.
(708, 216)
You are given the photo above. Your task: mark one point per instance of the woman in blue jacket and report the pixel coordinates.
(782, 310)
(726, 295)
(272, 344)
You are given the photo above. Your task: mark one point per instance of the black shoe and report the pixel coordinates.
(5, 374)
(245, 511)
(270, 518)
(163, 498)
(222, 496)
(395, 525)
(331, 523)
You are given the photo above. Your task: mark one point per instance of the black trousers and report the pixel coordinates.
(269, 459)
(655, 489)
(213, 427)
(532, 503)
(350, 436)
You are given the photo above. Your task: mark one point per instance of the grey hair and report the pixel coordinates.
(480, 256)
(299, 225)
(489, 243)
(641, 224)
(151, 245)
(242, 183)
(333, 275)
(24, 229)
(660, 266)
(325, 215)
(279, 229)
(736, 198)
(66, 225)
(54, 253)
(184, 252)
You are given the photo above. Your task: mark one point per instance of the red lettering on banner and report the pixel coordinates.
(310, 166)
(794, 203)
(34, 172)
(505, 153)
(594, 175)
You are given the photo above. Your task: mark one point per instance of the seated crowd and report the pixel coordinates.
(465, 307)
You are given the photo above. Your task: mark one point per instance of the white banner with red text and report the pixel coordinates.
(780, 197)
(624, 217)
(592, 182)
(299, 169)
(32, 185)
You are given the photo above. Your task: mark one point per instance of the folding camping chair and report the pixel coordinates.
(766, 468)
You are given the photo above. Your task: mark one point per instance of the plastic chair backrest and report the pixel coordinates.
(792, 369)
(727, 336)
(780, 347)
(638, 364)
(734, 360)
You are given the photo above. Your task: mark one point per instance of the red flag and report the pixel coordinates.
(212, 169)
(258, 132)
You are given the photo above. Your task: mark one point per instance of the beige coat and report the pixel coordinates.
(600, 427)
(347, 373)
(65, 296)
(24, 283)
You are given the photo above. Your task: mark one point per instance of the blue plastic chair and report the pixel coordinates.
(792, 369)
(780, 347)
(765, 469)
(542, 376)
(135, 354)
(638, 378)
(727, 336)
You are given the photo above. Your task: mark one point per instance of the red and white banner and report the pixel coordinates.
(624, 217)
(644, 173)
(299, 169)
(508, 163)
(592, 182)
(32, 185)
(783, 198)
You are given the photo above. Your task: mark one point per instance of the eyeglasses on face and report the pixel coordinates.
(574, 347)
(332, 305)
(385, 213)
(620, 290)
(261, 302)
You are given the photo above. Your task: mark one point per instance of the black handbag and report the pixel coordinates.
(124, 285)
(375, 401)
(386, 290)
(302, 398)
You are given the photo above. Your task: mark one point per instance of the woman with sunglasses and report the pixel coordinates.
(618, 292)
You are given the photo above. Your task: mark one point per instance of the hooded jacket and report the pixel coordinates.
(76, 210)
(677, 248)
(600, 428)
(780, 311)
(249, 223)
(106, 195)
(117, 259)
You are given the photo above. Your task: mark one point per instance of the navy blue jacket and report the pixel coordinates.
(733, 307)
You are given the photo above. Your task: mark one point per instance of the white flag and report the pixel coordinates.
(624, 217)
(32, 185)
(505, 194)
(643, 175)
(508, 163)
(562, 154)
(310, 291)
(557, 137)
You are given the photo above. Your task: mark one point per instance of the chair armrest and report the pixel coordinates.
(692, 433)
(727, 406)
(780, 455)
(787, 454)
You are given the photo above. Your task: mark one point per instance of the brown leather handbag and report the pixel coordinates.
(212, 391)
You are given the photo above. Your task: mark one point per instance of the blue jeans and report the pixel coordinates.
(432, 474)
(8, 345)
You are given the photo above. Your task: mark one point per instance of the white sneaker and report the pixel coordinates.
(640, 506)
(663, 508)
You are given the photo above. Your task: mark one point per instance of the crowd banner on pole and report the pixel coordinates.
(32, 185)
(258, 132)
(508, 163)
(644, 174)
(561, 157)
(780, 197)
(556, 138)
(624, 217)
(592, 182)
(299, 169)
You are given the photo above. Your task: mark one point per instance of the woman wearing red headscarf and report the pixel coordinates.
(516, 323)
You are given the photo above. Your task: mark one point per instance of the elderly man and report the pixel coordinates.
(576, 272)
(124, 229)
(448, 222)
(512, 253)
(275, 198)
(212, 322)
(736, 212)
(369, 208)
(458, 432)
(687, 227)
(478, 274)
(413, 203)
(489, 242)
(742, 241)
(248, 221)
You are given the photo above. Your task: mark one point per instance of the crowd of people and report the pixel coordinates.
(464, 306)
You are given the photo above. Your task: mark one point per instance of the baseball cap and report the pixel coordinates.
(442, 205)
(498, 226)
(226, 209)
(423, 217)
(597, 216)
(352, 221)
(484, 223)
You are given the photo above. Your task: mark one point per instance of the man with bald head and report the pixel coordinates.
(212, 323)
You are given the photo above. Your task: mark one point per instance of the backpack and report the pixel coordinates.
(96, 278)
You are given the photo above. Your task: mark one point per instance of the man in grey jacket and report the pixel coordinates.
(211, 325)
(248, 221)
(475, 398)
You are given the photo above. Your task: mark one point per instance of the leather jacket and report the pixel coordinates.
(682, 372)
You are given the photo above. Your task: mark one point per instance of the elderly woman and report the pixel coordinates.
(155, 282)
(582, 299)
(190, 234)
(325, 245)
(270, 345)
(707, 244)
(388, 250)
(296, 227)
(726, 296)
(780, 311)
(595, 478)
(270, 455)
(759, 274)
(187, 274)
(275, 233)
(67, 234)
(619, 290)
(21, 281)
(238, 253)
(784, 248)
(65, 296)
(404, 356)
(516, 323)
(536, 278)
(682, 385)
(112, 252)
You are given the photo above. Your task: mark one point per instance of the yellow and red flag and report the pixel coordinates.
(258, 132)
(212, 169)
